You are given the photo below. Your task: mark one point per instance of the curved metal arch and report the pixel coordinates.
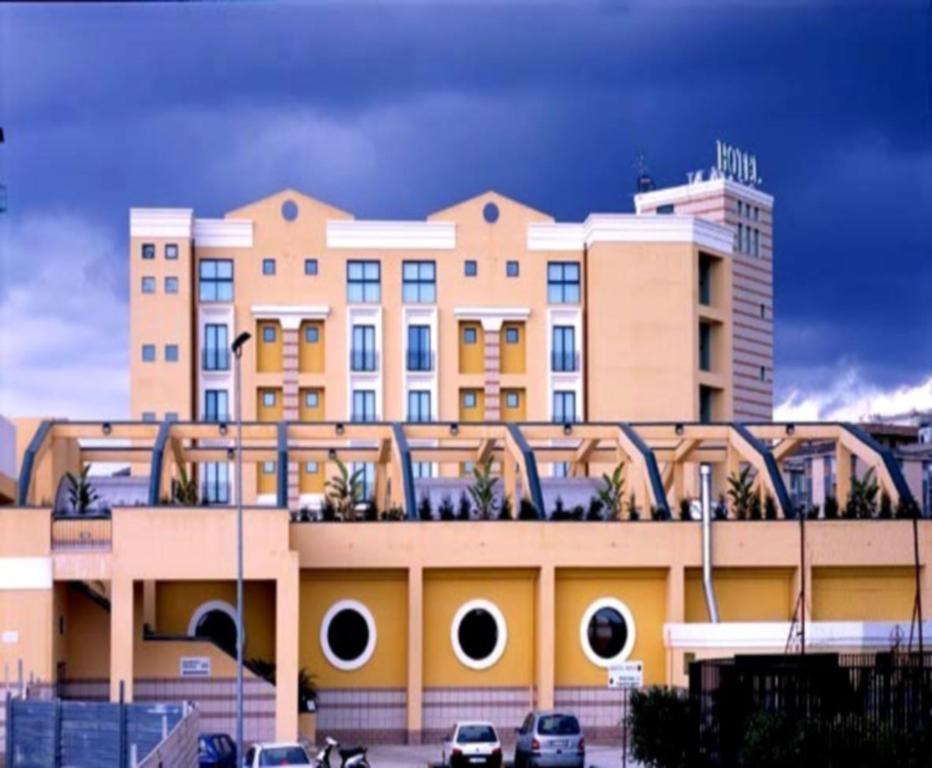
(407, 472)
(650, 461)
(773, 471)
(29, 460)
(530, 464)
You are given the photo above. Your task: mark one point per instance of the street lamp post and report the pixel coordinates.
(237, 348)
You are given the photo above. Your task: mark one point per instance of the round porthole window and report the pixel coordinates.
(347, 635)
(490, 213)
(289, 210)
(478, 634)
(607, 632)
(215, 620)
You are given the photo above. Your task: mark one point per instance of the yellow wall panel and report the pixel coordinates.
(477, 412)
(269, 356)
(272, 411)
(385, 594)
(309, 411)
(863, 594)
(311, 353)
(514, 594)
(513, 354)
(518, 412)
(743, 594)
(642, 590)
(472, 355)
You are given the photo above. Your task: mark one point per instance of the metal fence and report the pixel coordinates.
(817, 709)
(49, 734)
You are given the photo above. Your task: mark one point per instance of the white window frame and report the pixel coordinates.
(332, 658)
(500, 645)
(595, 606)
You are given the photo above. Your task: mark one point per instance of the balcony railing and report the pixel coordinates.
(215, 359)
(216, 417)
(420, 360)
(216, 493)
(362, 418)
(87, 533)
(564, 361)
(363, 360)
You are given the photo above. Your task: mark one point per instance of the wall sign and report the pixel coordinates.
(195, 666)
(627, 674)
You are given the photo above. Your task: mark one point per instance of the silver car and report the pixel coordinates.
(550, 740)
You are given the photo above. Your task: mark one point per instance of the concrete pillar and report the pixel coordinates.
(122, 637)
(509, 482)
(415, 653)
(842, 475)
(544, 635)
(675, 614)
(287, 606)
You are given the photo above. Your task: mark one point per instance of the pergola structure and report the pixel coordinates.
(658, 457)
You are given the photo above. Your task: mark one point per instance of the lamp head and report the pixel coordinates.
(239, 341)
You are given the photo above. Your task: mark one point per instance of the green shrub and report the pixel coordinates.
(660, 727)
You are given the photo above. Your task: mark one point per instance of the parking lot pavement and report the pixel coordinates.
(428, 756)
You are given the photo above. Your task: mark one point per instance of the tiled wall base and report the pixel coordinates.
(362, 715)
(598, 708)
(506, 708)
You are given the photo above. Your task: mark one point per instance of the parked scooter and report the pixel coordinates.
(351, 758)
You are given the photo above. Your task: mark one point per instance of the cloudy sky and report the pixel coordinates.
(397, 111)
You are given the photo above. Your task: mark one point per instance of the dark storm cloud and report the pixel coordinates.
(395, 112)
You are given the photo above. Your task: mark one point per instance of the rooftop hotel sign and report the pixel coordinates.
(731, 163)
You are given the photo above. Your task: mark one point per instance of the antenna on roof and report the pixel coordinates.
(644, 181)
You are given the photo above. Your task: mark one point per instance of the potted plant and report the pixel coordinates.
(446, 510)
(482, 490)
(424, 509)
(344, 490)
(464, 508)
(594, 512)
(505, 512)
(81, 494)
(740, 493)
(633, 511)
(830, 508)
(527, 510)
(612, 492)
(184, 489)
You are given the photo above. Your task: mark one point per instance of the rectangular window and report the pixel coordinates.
(268, 467)
(148, 285)
(171, 416)
(705, 347)
(763, 311)
(362, 354)
(148, 250)
(269, 334)
(512, 335)
(363, 282)
(419, 357)
(148, 415)
(564, 348)
(216, 488)
(268, 399)
(171, 251)
(469, 399)
(469, 335)
(171, 285)
(148, 353)
(470, 268)
(363, 405)
(216, 352)
(268, 266)
(310, 266)
(366, 477)
(666, 210)
(312, 334)
(705, 405)
(512, 269)
(419, 282)
(215, 279)
(312, 468)
(763, 373)
(705, 280)
(419, 405)
(512, 400)
(312, 399)
(740, 246)
(422, 469)
(563, 282)
(755, 245)
(564, 407)
(216, 405)
(171, 353)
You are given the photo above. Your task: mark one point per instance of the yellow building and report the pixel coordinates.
(407, 625)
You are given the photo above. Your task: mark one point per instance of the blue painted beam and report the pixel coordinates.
(653, 472)
(29, 460)
(407, 471)
(281, 486)
(783, 497)
(158, 461)
(899, 482)
(530, 464)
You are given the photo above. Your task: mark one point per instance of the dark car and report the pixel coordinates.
(216, 750)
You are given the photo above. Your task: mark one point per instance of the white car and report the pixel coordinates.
(472, 744)
(278, 753)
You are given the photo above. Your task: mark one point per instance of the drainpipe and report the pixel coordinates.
(705, 473)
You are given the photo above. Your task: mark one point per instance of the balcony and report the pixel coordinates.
(216, 417)
(87, 533)
(363, 360)
(564, 362)
(420, 360)
(215, 359)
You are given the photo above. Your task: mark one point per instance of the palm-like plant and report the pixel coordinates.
(863, 495)
(81, 493)
(482, 490)
(740, 492)
(184, 489)
(612, 492)
(344, 490)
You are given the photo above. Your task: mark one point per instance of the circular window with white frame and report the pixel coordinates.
(478, 634)
(607, 632)
(347, 635)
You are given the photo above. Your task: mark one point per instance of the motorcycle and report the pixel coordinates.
(354, 757)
